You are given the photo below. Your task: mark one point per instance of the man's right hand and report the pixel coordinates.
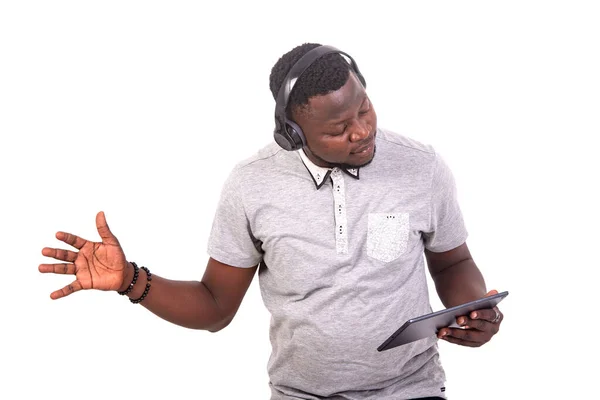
(97, 265)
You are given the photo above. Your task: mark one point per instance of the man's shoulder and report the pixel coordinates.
(268, 159)
(264, 154)
(404, 143)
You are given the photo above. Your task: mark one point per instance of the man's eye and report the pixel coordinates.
(366, 109)
(338, 133)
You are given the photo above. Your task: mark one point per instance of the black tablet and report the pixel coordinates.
(429, 324)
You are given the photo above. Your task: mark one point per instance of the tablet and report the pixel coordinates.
(429, 324)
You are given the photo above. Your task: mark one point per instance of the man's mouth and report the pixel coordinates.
(364, 148)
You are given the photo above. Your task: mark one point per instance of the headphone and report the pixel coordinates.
(287, 133)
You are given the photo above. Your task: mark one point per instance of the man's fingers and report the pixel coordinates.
(472, 323)
(73, 240)
(59, 254)
(468, 335)
(57, 268)
(487, 314)
(67, 290)
(461, 342)
(104, 231)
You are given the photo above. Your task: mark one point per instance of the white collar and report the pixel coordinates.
(320, 174)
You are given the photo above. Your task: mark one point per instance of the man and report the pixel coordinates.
(338, 215)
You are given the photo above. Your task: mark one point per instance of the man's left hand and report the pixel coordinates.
(476, 329)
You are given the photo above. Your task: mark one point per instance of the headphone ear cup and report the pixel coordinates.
(283, 140)
(281, 136)
(289, 135)
(294, 132)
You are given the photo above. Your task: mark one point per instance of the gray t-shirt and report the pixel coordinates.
(342, 265)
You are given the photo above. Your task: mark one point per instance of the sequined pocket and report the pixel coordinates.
(387, 236)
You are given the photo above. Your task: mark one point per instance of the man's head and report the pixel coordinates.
(331, 107)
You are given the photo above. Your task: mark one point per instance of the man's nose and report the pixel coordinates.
(361, 132)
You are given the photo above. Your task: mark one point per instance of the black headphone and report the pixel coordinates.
(287, 133)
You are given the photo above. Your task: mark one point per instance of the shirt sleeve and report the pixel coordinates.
(446, 225)
(231, 241)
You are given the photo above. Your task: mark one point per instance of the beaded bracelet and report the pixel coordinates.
(146, 290)
(136, 272)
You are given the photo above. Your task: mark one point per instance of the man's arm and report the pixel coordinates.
(457, 279)
(209, 304)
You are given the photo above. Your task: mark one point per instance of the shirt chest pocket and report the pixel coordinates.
(387, 235)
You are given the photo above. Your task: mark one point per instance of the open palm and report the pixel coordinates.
(97, 265)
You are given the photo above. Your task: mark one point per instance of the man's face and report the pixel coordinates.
(339, 127)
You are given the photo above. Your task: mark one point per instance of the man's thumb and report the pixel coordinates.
(103, 229)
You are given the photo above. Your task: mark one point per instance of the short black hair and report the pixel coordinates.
(328, 74)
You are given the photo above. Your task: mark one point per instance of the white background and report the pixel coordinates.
(141, 109)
